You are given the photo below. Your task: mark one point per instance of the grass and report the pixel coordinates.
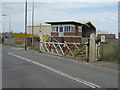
(14, 45)
(112, 61)
(30, 48)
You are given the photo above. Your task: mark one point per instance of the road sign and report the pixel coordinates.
(102, 38)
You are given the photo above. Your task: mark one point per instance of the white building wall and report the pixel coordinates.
(45, 30)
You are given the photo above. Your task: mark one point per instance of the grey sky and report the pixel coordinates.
(104, 15)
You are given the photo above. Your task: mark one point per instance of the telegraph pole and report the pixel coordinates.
(10, 24)
(26, 25)
(32, 23)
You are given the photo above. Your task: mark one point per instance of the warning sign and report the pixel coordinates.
(102, 38)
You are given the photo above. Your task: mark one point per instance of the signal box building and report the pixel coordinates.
(72, 31)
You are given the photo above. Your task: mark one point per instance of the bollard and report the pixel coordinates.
(50, 47)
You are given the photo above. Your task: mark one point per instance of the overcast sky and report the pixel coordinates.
(103, 15)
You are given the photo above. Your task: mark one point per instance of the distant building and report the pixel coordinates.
(41, 30)
(72, 31)
(107, 36)
(101, 32)
(20, 39)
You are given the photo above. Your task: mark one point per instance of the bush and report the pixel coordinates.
(2, 40)
(98, 40)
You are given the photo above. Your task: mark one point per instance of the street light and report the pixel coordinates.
(26, 25)
(32, 23)
(9, 22)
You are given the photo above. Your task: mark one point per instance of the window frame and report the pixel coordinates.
(54, 29)
(69, 28)
(79, 28)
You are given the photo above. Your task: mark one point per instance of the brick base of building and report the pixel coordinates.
(67, 39)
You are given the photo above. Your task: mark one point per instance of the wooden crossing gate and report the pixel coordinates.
(75, 50)
(89, 51)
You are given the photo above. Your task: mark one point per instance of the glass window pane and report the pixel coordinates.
(56, 29)
(61, 29)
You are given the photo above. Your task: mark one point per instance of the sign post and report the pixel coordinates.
(102, 40)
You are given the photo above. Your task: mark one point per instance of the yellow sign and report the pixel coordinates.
(23, 35)
(46, 38)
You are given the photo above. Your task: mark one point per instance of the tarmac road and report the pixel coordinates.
(24, 69)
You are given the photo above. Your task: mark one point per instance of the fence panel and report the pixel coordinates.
(75, 50)
(110, 51)
(36, 45)
(9, 41)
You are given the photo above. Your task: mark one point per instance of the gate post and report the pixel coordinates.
(119, 47)
(87, 50)
(40, 47)
(92, 51)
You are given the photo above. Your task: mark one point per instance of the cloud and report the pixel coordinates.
(65, 5)
(98, 13)
(61, 0)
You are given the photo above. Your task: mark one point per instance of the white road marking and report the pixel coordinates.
(85, 63)
(59, 72)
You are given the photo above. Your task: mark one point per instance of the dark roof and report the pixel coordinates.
(87, 23)
(64, 22)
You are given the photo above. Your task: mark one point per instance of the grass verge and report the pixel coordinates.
(14, 45)
(112, 61)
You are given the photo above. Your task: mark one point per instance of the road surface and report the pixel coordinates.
(25, 69)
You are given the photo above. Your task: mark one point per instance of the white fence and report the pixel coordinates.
(75, 50)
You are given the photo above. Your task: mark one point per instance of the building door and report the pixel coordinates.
(61, 33)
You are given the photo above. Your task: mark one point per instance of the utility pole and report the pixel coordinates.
(32, 23)
(10, 24)
(26, 25)
(41, 35)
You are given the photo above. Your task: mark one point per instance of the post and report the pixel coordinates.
(87, 50)
(9, 24)
(92, 56)
(101, 50)
(26, 26)
(32, 23)
(119, 47)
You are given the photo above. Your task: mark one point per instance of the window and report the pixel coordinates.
(72, 29)
(54, 29)
(69, 29)
(66, 28)
(79, 28)
(61, 29)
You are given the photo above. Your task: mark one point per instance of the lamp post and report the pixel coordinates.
(41, 34)
(26, 25)
(9, 22)
(32, 23)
